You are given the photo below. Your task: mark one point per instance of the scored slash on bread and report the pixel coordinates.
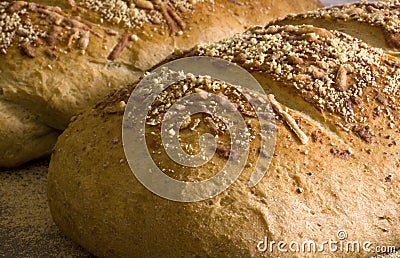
(60, 57)
(376, 23)
(343, 95)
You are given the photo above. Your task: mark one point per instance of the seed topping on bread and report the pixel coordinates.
(136, 13)
(29, 25)
(383, 14)
(329, 69)
(234, 97)
(15, 24)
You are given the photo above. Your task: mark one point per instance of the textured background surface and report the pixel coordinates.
(26, 227)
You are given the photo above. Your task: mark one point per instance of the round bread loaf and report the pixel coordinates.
(60, 57)
(376, 23)
(334, 174)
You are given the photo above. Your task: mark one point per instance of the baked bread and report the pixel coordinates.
(334, 174)
(60, 58)
(23, 137)
(376, 23)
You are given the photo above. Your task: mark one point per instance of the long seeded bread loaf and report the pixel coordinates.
(335, 169)
(60, 57)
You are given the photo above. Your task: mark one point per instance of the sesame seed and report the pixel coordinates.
(13, 26)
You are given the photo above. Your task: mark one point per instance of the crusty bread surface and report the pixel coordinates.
(336, 170)
(376, 23)
(60, 57)
(23, 137)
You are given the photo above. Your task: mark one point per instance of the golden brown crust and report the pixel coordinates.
(345, 177)
(95, 39)
(23, 137)
(60, 57)
(377, 23)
